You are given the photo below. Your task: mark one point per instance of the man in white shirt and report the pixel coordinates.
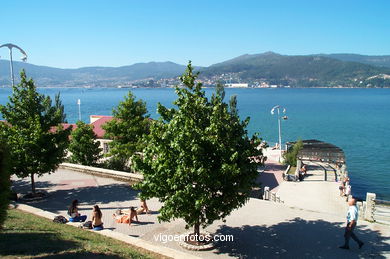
(352, 217)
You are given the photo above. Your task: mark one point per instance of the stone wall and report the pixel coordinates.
(119, 175)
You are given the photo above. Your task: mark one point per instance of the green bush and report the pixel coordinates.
(4, 184)
(115, 163)
(290, 157)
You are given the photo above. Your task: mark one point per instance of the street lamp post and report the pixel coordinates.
(284, 117)
(79, 104)
(24, 58)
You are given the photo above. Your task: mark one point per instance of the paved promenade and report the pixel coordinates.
(314, 193)
(273, 170)
(261, 229)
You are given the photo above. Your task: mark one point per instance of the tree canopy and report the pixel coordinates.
(127, 130)
(83, 145)
(197, 161)
(33, 131)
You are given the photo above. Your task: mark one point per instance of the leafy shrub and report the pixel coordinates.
(115, 163)
(290, 157)
(4, 184)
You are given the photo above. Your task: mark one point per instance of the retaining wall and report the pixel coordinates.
(119, 175)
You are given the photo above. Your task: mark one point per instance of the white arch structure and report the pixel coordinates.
(24, 57)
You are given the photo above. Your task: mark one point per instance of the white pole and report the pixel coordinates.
(280, 136)
(279, 126)
(79, 104)
(11, 67)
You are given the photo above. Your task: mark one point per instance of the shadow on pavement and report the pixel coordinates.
(24, 186)
(268, 179)
(299, 238)
(61, 199)
(136, 223)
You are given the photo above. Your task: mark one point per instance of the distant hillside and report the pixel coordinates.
(379, 61)
(91, 76)
(299, 71)
(334, 70)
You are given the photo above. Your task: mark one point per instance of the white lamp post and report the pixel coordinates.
(24, 58)
(284, 117)
(79, 104)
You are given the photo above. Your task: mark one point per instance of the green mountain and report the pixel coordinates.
(300, 71)
(379, 61)
(333, 70)
(91, 76)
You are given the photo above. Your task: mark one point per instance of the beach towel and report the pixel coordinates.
(123, 219)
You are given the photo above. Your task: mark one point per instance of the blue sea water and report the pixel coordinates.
(356, 120)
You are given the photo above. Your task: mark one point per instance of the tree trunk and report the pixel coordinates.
(32, 183)
(197, 231)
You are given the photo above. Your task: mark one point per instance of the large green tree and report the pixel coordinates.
(197, 161)
(130, 124)
(83, 145)
(33, 131)
(4, 182)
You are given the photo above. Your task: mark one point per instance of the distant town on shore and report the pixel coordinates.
(266, 70)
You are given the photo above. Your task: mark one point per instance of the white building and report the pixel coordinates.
(237, 85)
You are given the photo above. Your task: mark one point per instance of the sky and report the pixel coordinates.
(72, 34)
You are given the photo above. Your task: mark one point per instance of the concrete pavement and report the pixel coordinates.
(261, 229)
(272, 176)
(313, 193)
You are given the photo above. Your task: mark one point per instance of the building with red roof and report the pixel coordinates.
(97, 121)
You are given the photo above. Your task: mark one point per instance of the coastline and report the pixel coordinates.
(206, 87)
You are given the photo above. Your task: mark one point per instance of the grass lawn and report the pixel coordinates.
(25, 235)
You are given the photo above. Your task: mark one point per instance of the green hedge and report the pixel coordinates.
(4, 184)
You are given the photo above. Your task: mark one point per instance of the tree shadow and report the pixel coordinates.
(59, 200)
(299, 238)
(85, 255)
(33, 244)
(24, 186)
(268, 179)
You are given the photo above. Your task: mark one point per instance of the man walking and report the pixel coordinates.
(352, 217)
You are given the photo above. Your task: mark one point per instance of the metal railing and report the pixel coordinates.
(381, 211)
(271, 196)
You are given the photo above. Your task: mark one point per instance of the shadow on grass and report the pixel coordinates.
(299, 238)
(80, 255)
(33, 244)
